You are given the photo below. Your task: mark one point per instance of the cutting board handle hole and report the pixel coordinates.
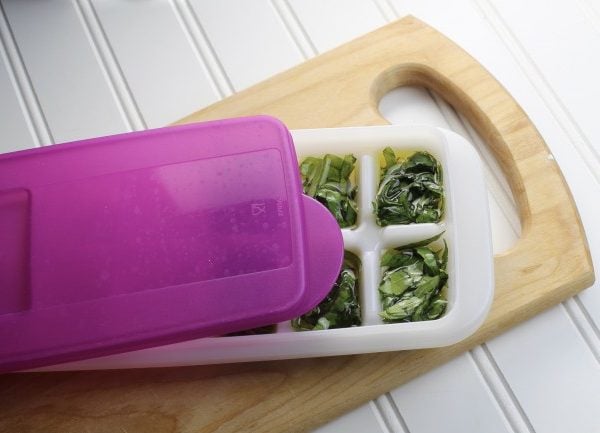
(411, 104)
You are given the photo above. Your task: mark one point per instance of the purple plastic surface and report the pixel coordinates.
(148, 238)
(324, 254)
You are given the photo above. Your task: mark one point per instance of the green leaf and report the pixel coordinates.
(401, 310)
(412, 282)
(340, 308)
(422, 243)
(327, 180)
(410, 191)
(396, 283)
(420, 161)
(437, 307)
(390, 157)
(429, 259)
(322, 323)
(347, 166)
(396, 258)
(427, 287)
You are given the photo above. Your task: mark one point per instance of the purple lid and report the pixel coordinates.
(148, 238)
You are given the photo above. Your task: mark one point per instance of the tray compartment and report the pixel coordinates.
(315, 170)
(353, 263)
(401, 155)
(436, 246)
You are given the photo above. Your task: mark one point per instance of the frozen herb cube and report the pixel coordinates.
(410, 190)
(413, 283)
(340, 308)
(327, 180)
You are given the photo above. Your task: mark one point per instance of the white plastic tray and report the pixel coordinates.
(470, 260)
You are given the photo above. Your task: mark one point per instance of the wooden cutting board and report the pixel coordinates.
(549, 263)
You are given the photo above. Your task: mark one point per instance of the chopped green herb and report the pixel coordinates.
(410, 191)
(414, 277)
(340, 308)
(327, 180)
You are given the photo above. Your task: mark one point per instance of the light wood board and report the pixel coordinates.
(549, 263)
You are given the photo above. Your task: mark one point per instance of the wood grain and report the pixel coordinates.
(549, 263)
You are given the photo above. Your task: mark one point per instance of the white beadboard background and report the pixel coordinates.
(76, 69)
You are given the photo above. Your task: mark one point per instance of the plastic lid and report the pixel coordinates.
(148, 238)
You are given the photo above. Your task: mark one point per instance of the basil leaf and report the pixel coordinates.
(390, 157)
(410, 191)
(412, 283)
(402, 310)
(429, 260)
(396, 283)
(397, 258)
(327, 180)
(437, 307)
(340, 308)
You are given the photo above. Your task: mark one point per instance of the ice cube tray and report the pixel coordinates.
(470, 265)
